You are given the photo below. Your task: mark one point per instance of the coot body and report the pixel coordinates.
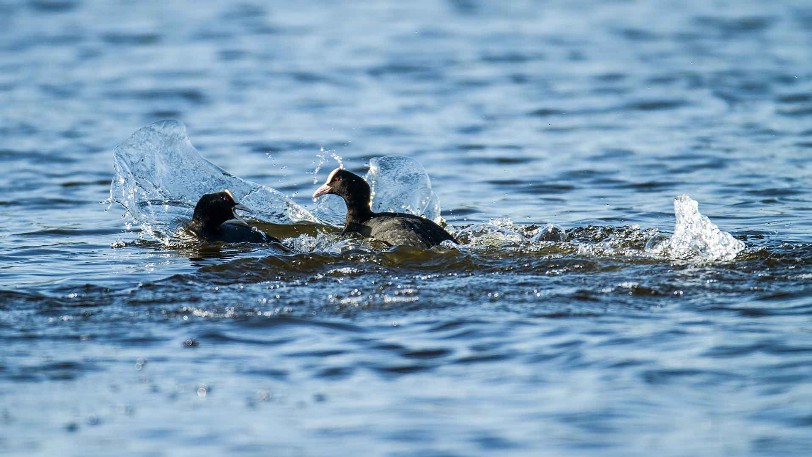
(211, 216)
(395, 229)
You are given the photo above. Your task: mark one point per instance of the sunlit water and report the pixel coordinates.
(630, 183)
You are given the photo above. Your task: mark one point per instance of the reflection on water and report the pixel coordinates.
(580, 315)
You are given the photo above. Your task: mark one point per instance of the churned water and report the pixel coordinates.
(630, 183)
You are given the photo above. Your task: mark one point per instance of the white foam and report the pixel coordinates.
(695, 237)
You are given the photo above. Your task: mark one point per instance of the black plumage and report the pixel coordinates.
(211, 216)
(392, 228)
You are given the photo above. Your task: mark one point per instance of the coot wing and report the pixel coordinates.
(406, 230)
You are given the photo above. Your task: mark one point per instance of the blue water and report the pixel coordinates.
(590, 116)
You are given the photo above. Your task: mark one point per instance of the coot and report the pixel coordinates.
(391, 228)
(210, 216)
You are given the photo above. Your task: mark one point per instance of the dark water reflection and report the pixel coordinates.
(588, 115)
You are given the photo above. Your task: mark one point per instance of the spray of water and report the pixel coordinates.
(695, 237)
(321, 158)
(160, 176)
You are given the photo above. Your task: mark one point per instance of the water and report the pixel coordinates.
(587, 312)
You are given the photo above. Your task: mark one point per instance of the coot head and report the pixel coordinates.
(391, 228)
(349, 186)
(214, 209)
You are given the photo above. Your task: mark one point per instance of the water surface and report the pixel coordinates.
(591, 116)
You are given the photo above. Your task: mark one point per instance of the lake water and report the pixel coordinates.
(574, 319)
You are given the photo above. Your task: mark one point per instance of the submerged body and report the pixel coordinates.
(210, 221)
(394, 229)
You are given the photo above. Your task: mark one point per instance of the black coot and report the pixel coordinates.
(210, 216)
(391, 228)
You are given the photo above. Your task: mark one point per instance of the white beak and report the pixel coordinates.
(324, 189)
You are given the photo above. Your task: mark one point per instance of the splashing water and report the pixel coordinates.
(322, 156)
(498, 232)
(400, 184)
(160, 176)
(331, 211)
(695, 237)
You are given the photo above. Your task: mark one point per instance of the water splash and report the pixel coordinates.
(504, 234)
(605, 241)
(400, 184)
(322, 159)
(160, 176)
(695, 237)
(326, 243)
(499, 232)
(331, 211)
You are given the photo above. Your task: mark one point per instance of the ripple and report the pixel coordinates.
(53, 6)
(736, 26)
(587, 115)
(51, 371)
(655, 105)
(189, 95)
(131, 39)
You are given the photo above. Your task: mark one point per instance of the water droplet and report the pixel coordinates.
(191, 342)
(203, 390)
